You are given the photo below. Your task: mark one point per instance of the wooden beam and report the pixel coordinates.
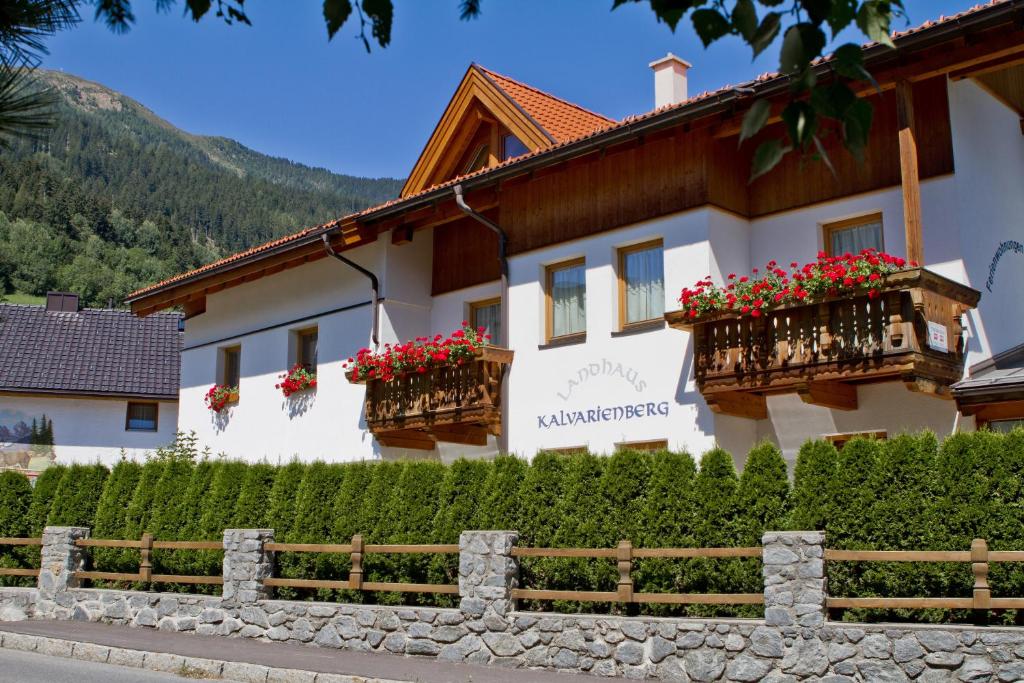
(835, 395)
(402, 234)
(469, 435)
(738, 404)
(407, 438)
(999, 64)
(909, 174)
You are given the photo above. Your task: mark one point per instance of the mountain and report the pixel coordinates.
(114, 197)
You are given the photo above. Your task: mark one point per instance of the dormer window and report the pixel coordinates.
(512, 147)
(478, 160)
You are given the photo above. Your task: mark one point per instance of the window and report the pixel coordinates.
(305, 348)
(641, 283)
(854, 235)
(230, 365)
(512, 147)
(566, 300)
(1005, 426)
(840, 440)
(141, 417)
(487, 314)
(565, 450)
(478, 160)
(654, 445)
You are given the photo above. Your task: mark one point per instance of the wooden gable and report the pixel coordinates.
(479, 114)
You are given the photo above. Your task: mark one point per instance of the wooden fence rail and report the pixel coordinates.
(357, 549)
(17, 571)
(624, 554)
(979, 556)
(146, 545)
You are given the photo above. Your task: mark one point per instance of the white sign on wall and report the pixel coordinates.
(938, 337)
(632, 404)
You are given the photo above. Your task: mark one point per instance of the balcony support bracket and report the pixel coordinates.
(738, 404)
(834, 395)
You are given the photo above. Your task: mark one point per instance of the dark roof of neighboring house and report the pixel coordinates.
(1002, 374)
(102, 352)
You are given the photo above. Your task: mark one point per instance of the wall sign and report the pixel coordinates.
(641, 407)
(938, 337)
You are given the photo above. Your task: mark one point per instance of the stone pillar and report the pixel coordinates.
(61, 558)
(487, 575)
(247, 562)
(794, 578)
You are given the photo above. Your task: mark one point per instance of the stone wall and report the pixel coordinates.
(793, 643)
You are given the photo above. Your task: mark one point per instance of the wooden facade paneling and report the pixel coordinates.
(465, 254)
(680, 170)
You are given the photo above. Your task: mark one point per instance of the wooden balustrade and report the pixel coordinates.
(822, 349)
(145, 546)
(19, 571)
(449, 403)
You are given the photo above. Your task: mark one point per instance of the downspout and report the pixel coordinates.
(374, 288)
(502, 258)
(503, 263)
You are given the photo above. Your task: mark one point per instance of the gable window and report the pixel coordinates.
(854, 235)
(566, 300)
(141, 417)
(230, 366)
(306, 349)
(511, 146)
(478, 160)
(641, 283)
(487, 314)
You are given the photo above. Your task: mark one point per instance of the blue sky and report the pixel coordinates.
(281, 88)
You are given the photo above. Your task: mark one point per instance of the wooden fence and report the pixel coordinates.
(146, 545)
(624, 555)
(357, 549)
(13, 571)
(979, 556)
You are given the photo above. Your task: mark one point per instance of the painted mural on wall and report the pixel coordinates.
(26, 441)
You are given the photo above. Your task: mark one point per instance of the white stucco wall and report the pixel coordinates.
(90, 429)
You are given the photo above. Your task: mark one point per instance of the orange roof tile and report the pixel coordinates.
(562, 120)
(552, 110)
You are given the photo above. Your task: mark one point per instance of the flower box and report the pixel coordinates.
(220, 397)
(907, 327)
(447, 402)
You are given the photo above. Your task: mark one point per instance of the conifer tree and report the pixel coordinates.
(189, 520)
(282, 498)
(540, 497)
(141, 508)
(500, 507)
(112, 515)
(314, 501)
(460, 508)
(168, 518)
(581, 511)
(15, 499)
(347, 509)
(624, 485)
(413, 505)
(762, 505)
(815, 469)
(76, 497)
(253, 508)
(372, 516)
(42, 498)
(218, 509)
(715, 489)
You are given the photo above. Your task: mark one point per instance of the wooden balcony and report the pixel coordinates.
(822, 349)
(456, 404)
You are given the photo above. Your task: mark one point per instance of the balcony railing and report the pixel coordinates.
(821, 349)
(456, 404)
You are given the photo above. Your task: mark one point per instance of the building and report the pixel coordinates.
(81, 385)
(595, 226)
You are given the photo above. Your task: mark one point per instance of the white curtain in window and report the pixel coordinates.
(568, 301)
(489, 317)
(645, 284)
(855, 239)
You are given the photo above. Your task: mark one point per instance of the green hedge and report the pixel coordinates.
(910, 492)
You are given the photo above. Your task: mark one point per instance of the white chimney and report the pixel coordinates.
(669, 80)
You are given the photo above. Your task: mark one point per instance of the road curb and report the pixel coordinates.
(193, 667)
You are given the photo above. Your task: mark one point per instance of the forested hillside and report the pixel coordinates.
(114, 197)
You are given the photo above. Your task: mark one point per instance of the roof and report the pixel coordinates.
(548, 109)
(105, 352)
(1003, 373)
(561, 119)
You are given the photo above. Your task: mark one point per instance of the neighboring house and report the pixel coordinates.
(83, 385)
(606, 221)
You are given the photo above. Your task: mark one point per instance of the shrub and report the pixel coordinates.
(500, 498)
(253, 508)
(169, 517)
(189, 520)
(140, 510)
(540, 497)
(374, 508)
(282, 498)
(815, 468)
(15, 499)
(715, 508)
(112, 518)
(761, 505)
(460, 508)
(347, 509)
(218, 509)
(313, 502)
(42, 498)
(75, 499)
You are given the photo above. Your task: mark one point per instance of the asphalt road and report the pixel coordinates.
(29, 667)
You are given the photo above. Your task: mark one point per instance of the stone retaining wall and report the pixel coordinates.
(793, 643)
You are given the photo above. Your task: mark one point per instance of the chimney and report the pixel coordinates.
(61, 302)
(669, 80)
